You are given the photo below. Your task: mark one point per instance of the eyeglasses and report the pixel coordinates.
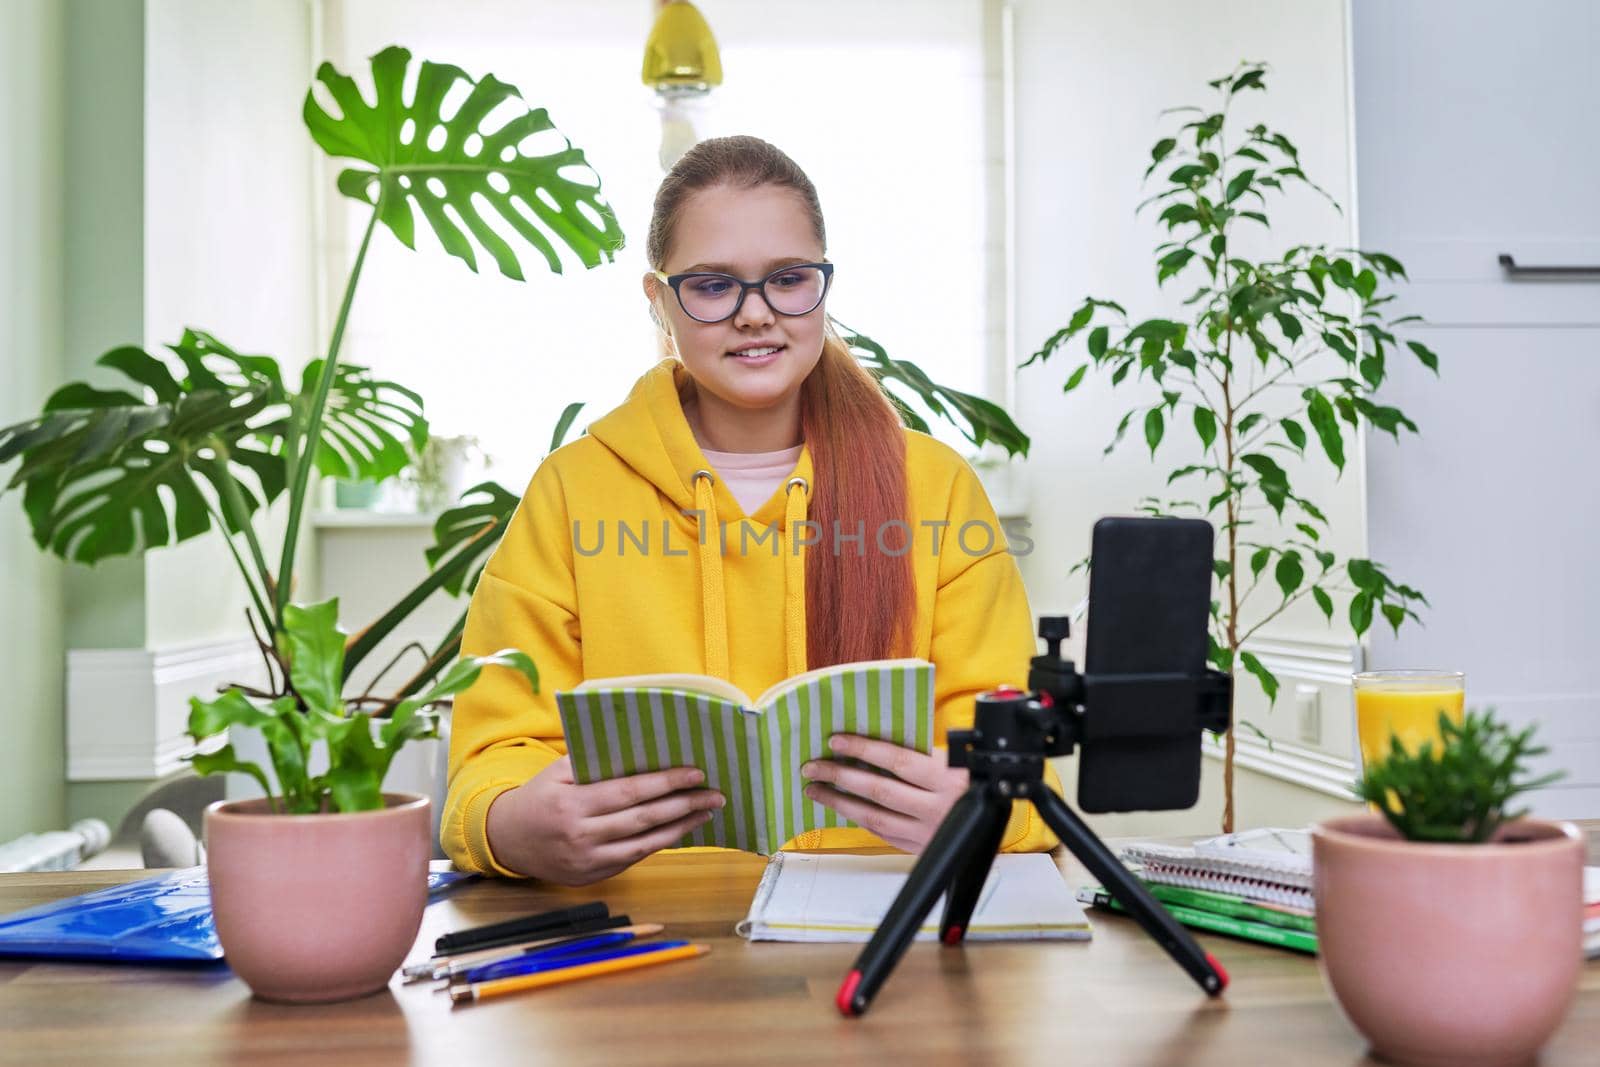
(797, 289)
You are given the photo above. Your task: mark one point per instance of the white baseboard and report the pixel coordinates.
(1327, 766)
(127, 707)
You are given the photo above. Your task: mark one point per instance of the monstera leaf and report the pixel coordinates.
(109, 472)
(365, 425)
(457, 167)
(979, 420)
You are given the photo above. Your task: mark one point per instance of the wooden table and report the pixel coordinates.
(1115, 1000)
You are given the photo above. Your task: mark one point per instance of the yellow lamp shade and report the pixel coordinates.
(681, 50)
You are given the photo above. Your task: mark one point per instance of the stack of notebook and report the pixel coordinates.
(1254, 885)
(1257, 885)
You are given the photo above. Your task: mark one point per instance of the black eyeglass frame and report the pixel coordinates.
(676, 280)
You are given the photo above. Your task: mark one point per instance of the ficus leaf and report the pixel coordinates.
(1289, 572)
(1326, 426)
(1268, 680)
(1239, 183)
(1205, 424)
(1154, 427)
(1294, 432)
(1360, 613)
(1425, 354)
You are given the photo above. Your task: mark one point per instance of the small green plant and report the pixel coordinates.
(1460, 793)
(314, 711)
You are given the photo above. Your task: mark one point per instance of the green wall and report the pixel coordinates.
(32, 278)
(71, 287)
(103, 248)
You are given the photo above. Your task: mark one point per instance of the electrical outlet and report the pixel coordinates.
(1308, 708)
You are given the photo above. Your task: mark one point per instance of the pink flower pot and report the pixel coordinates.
(317, 907)
(1450, 954)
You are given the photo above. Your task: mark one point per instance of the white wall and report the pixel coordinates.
(31, 166)
(1091, 77)
(228, 237)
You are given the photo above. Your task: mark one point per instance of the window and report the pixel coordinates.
(883, 105)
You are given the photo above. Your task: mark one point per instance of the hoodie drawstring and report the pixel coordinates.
(713, 605)
(794, 577)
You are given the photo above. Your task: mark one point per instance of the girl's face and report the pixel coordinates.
(757, 359)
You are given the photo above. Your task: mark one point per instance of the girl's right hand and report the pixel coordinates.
(550, 827)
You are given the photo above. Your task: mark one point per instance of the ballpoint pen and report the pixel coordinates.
(450, 966)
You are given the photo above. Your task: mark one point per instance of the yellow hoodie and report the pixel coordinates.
(660, 598)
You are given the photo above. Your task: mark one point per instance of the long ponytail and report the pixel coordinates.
(860, 597)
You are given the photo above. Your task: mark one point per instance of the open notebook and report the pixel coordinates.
(750, 750)
(817, 896)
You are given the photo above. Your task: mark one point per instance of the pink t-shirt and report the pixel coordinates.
(752, 477)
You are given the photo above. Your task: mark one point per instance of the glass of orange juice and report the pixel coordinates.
(1404, 704)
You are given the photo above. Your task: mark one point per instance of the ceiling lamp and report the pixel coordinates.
(682, 65)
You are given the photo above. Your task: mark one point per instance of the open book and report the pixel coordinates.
(750, 750)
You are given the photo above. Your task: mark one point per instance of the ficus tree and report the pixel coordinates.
(1274, 362)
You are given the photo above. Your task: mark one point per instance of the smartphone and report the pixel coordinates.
(1149, 613)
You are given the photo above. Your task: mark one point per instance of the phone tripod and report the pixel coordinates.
(1004, 754)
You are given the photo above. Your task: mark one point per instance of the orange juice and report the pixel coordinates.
(1406, 704)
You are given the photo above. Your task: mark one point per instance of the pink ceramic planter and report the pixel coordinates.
(1463, 955)
(317, 907)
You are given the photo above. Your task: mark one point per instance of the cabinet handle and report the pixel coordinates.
(1515, 270)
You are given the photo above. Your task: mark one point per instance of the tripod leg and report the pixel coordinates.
(970, 875)
(951, 844)
(1129, 892)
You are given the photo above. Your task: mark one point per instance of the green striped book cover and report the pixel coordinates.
(750, 750)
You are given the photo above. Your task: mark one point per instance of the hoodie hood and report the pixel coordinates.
(650, 434)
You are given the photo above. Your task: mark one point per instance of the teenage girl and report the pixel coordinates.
(888, 548)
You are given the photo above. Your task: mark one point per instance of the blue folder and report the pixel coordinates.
(163, 919)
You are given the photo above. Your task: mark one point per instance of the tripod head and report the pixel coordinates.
(1146, 721)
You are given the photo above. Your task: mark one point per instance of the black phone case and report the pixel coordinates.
(1150, 598)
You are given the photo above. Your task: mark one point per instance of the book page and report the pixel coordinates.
(891, 700)
(616, 732)
(789, 684)
(684, 683)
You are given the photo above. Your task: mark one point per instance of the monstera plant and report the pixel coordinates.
(201, 437)
(205, 437)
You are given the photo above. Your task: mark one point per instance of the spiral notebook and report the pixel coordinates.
(1269, 865)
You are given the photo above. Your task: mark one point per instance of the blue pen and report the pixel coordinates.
(533, 963)
(564, 948)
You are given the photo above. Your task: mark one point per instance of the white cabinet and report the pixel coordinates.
(1475, 136)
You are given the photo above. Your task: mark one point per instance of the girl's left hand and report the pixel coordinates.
(905, 813)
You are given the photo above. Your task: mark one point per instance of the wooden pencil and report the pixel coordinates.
(519, 983)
